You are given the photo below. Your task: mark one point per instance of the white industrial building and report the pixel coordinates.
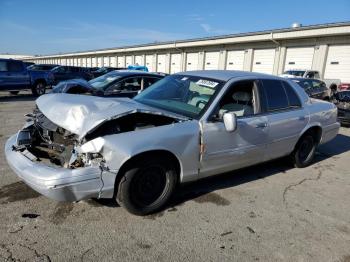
(324, 47)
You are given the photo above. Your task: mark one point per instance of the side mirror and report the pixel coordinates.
(230, 121)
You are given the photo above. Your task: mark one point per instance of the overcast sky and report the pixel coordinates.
(46, 27)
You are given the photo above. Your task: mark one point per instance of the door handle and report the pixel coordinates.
(302, 118)
(261, 125)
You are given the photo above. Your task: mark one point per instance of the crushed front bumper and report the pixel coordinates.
(58, 183)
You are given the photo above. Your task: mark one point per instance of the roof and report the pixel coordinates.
(133, 72)
(224, 75)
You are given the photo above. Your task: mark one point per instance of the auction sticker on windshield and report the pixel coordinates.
(207, 83)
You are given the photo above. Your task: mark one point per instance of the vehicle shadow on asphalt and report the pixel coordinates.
(202, 190)
(17, 98)
(196, 190)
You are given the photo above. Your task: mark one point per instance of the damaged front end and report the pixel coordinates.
(69, 165)
(51, 144)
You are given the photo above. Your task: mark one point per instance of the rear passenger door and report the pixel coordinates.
(286, 117)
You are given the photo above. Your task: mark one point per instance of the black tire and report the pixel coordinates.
(147, 185)
(39, 88)
(14, 92)
(304, 151)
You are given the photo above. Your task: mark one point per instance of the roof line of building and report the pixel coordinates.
(281, 30)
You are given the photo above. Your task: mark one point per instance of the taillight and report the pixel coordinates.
(344, 86)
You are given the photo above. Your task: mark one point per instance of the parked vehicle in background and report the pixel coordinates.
(41, 67)
(26, 64)
(342, 100)
(123, 83)
(314, 88)
(62, 73)
(104, 70)
(332, 84)
(138, 67)
(184, 127)
(14, 77)
(344, 86)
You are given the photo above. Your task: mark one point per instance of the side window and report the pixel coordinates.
(293, 98)
(3, 66)
(132, 84)
(241, 98)
(275, 94)
(317, 75)
(147, 81)
(15, 66)
(310, 75)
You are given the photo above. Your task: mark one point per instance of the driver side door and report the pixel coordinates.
(224, 151)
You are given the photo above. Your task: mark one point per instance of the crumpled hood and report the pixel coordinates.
(80, 113)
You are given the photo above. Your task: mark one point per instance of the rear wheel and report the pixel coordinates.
(304, 151)
(14, 92)
(39, 88)
(147, 185)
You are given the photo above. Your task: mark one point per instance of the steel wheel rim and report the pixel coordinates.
(148, 185)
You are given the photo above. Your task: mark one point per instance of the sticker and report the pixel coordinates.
(203, 82)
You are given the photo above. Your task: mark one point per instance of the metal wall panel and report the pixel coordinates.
(235, 60)
(211, 60)
(161, 63)
(338, 63)
(263, 60)
(121, 61)
(191, 61)
(150, 59)
(128, 61)
(139, 60)
(175, 63)
(299, 58)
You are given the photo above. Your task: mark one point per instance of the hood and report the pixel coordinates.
(80, 114)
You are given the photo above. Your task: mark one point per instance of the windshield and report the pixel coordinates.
(102, 82)
(181, 94)
(294, 72)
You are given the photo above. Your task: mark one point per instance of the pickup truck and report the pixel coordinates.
(15, 77)
(332, 84)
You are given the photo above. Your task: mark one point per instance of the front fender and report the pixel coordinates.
(180, 139)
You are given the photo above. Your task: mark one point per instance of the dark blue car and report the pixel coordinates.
(122, 83)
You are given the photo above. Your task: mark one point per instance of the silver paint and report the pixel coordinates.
(203, 148)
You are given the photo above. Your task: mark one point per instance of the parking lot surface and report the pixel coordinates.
(270, 212)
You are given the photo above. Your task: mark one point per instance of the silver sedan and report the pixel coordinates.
(183, 128)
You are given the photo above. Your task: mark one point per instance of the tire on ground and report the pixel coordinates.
(147, 184)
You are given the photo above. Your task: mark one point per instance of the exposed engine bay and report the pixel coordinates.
(53, 144)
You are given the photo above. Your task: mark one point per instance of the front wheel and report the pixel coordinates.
(39, 88)
(304, 151)
(147, 185)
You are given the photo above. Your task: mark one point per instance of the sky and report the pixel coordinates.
(38, 27)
